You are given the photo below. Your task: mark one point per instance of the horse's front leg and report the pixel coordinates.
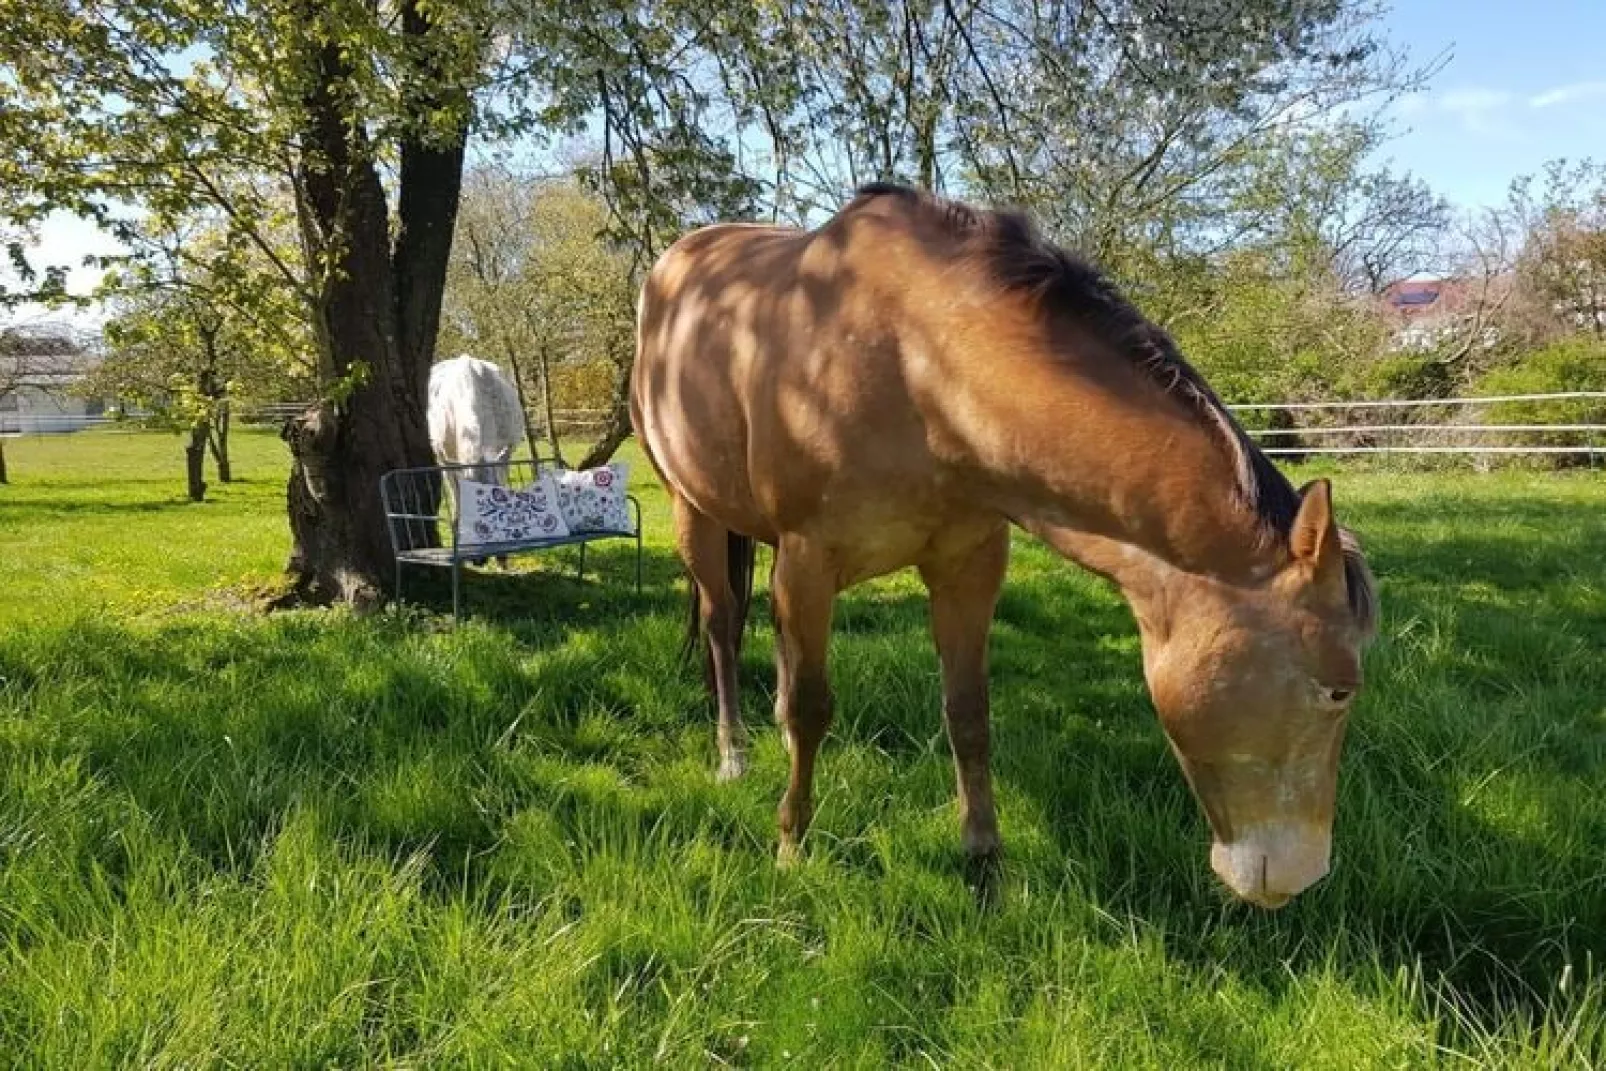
(803, 590)
(964, 586)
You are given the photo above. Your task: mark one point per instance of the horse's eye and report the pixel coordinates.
(1340, 695)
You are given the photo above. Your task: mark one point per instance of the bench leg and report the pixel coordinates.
(581, 575)
(457, 604)
(638, 560)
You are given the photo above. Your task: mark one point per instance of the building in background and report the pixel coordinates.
(39, 368)
(1427, 313)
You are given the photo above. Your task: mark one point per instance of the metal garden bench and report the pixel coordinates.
(419, 502)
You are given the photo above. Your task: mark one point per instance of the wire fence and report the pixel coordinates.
(1342, 429)
(1440, 435)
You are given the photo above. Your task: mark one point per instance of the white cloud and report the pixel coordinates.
(1478, 110)
(1567, 94)
(1493, 113)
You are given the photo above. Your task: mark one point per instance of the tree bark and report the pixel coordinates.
(195, 460)
(547, 406)
(379, 311)
(518, 385)
(3, 477)
(219, 442)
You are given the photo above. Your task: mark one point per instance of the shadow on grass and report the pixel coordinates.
(567, 697)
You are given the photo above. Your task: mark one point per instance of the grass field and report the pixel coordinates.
(309, 839)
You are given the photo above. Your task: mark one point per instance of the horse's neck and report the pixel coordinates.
(1116, 474)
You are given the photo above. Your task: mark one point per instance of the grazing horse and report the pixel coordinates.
(899, 386)
(475, 417)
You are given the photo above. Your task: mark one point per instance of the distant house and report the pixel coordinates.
(38, 370)
(1427, 313)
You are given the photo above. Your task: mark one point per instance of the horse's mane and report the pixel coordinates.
(1018, 258)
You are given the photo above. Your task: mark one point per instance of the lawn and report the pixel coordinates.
(312, 839)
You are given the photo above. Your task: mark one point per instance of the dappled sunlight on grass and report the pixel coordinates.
(312, 838)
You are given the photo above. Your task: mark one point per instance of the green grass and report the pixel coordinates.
(312, 839)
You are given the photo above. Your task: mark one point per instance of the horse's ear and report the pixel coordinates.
(1314, 537)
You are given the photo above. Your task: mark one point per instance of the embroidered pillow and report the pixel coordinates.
(593, 500)
(489, 513)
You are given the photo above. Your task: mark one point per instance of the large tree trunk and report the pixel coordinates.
(195, 461)
(378, 317)
(219, 442)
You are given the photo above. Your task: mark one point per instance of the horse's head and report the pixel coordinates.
(1253, 686)
(492, 467)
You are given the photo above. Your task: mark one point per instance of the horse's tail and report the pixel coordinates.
(741, 552)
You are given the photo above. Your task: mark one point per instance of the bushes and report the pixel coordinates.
(1263, 337)
(1577, 363)
(1406, 375)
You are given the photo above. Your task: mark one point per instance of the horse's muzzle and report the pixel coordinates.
(1269, 865)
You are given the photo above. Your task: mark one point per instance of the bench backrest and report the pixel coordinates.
(418, 500)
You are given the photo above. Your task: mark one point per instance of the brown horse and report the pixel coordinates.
(900, 385)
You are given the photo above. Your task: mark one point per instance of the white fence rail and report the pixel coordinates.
(13, 425)
(1589, 439)
(1377, 437)
(1406, 403)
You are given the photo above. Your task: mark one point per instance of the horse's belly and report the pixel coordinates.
(868, 536)
(878, 550)
(708, 469)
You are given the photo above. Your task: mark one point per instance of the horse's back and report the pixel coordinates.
(770, 387)
(706, 323)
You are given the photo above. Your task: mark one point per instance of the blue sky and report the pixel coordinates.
(1524, 83)
(1520, 84)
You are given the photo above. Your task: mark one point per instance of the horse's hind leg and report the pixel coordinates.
(704, 547)
(803, 590)
(964, 590)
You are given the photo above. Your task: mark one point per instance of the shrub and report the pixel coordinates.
(1577, 363)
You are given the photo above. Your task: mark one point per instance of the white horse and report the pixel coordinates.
(474, 417)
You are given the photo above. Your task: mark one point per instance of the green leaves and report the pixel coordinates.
(535, 276)
(206, 324)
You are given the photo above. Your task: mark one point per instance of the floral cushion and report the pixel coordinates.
(489, 513)
(593, 500)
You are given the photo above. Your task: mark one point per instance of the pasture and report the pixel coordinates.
(313, 839)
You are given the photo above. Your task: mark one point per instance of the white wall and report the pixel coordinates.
(31, 411)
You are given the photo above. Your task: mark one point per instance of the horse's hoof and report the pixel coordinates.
(982, 845)
(789, 855)
(731, 767)
(984, 875)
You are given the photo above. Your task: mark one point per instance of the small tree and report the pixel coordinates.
(188, 362)
(536, 283)
(15, 371)
(1563, 257)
